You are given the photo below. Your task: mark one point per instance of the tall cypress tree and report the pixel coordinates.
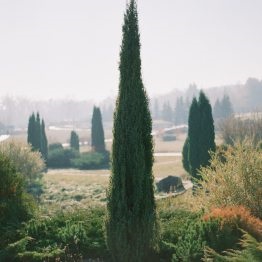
(131, 223)
(44, 142)
(97, 132)
(207, 130)
(38, 133)
(74, 141)
(201, 135)
(193, 138)
(31, 131)
(185, 159)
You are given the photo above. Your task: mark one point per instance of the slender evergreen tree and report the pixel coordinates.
(131, 224)
(207, 130)
(44, 143)
(31, 132)
(193, 138)
(36, 135)
(185, 160)
(97, 132)
(74, 141)
(201, 135)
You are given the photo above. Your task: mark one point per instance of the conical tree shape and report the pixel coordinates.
(185, 160)
(206, 131)
(31, 132)
(97, 132)
(131, 223)
(74, 141)
(44, 143)
(38, 132)
(193, 138)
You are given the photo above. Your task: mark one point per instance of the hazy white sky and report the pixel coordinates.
(70, 48)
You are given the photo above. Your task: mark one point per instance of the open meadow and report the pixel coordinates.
(70, 188)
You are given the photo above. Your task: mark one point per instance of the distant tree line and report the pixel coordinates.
(223, 108)
(177, 114)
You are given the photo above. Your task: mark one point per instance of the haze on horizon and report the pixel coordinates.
(62, 48)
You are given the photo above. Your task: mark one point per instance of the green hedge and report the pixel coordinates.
(59, 157)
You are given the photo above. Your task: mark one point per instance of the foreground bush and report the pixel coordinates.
(185, 234)
(239, 217)
(16, 205)
(251, 250)
(234, 178)
(29, 164)
(62, 237)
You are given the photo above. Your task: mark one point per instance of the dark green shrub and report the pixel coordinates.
(185, 235)
(15, 204)
(61, 158)
(65, 236)
(55, 146)
(91, 160)
(251, 250)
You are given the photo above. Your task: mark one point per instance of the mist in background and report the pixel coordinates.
(63, 49)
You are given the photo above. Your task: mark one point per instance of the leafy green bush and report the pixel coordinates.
(234, 178)
(251, 250)
(91, 160)
(184, 235)
(55, 146)
(15, 204)
(69, 158)
(65, 236)
(61, 158)
(29, 164)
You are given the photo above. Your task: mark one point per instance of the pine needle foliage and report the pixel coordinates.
(201, 136)
(193, 138)
(207, 130)
(131, 220)
(251, 251)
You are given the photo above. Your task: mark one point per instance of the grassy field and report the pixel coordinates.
(70, 188)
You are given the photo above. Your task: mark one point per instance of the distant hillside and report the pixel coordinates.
(244, 97)
(14, 111)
